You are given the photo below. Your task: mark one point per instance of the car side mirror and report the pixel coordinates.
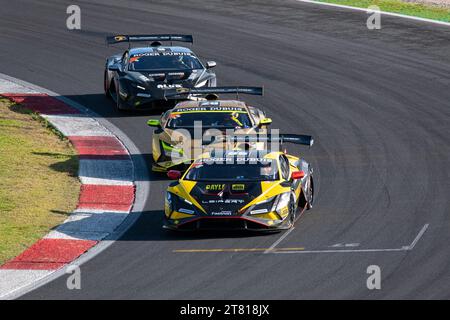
(174, 174)
(210, 64)
(296, 175)
(265, 121)
(114, 67)
(154, 123)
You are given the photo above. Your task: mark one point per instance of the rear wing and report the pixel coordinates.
(258, 91)
(281, 138)
(149, 38)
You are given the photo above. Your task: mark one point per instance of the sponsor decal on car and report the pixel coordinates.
(212, 108)
(209, 103)
(156, 75)
(134, 59)
(237, 159)
(215, 187)
(176, 74)
(144, 95)
(221, 213)
(161, 53)
(187, 211)
(238, 187)
(168, 86)
(223, 201)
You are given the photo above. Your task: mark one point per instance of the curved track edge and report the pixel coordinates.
(111, 196)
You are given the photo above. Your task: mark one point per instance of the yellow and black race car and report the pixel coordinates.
(240, 189)
(178, 137)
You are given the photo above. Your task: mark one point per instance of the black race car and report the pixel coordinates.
(139, 77)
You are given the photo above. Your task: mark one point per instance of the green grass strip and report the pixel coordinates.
(396, 6)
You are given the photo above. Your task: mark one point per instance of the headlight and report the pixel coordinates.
(201, 84)
(123, 94)
(263, 206)
(168, 198)
(277, 203)
(283, 202)
(137, 86)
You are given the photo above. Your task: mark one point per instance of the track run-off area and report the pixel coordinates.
(376, 101)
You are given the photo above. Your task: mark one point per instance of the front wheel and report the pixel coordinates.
(106, 85)
(118, 104)
(307, 195)
(292, 212)
(310, 191)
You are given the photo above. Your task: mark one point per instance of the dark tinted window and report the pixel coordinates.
(249, 171)
(210, 120)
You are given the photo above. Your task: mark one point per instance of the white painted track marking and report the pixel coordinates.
(422, 231)
(404, 248)
(391, 14)
(106, 172)
(273, 246)
(78, 125)
(15, 280)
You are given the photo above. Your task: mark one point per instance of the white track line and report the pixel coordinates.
(38, 276)
(344, 251)
(422, 231)
(270, 249)
(392, 14)
(404, 248)
(78, 125)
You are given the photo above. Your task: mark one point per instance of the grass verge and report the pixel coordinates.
(38, 172)
(397, 6)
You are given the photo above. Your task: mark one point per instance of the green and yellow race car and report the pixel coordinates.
(178, 137)
(240, 189)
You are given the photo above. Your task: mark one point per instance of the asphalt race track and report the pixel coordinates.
(377, 103)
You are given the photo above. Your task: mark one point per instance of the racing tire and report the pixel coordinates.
(106, 87)
(310, 200)
(307, 197)
(292, 212)
(118, 104)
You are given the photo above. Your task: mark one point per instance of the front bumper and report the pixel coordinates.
(242, 223)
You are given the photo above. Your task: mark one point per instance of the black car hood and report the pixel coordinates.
(225, 198)
(166, 76)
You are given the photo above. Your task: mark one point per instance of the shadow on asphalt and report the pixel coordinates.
(149, 228)
(105, 107)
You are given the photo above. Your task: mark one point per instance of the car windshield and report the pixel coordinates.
(164, 61)
(240, 170)
(209, 120)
